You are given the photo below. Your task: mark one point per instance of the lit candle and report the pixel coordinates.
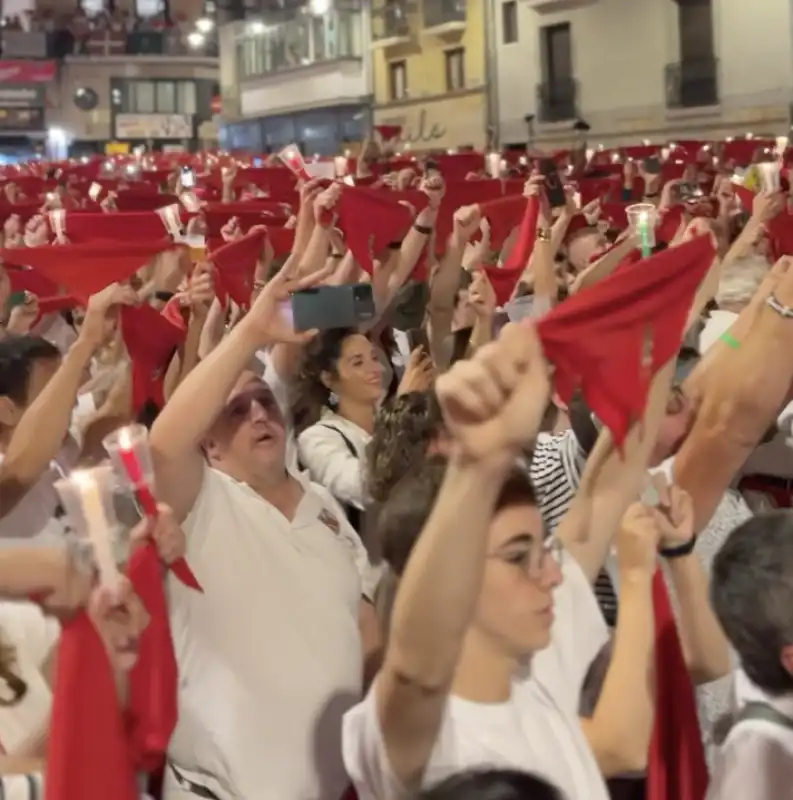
(97, 527)
(643, 228)
(134, 470)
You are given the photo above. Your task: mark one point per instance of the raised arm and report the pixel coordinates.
(492, 405)
(188, 415)
(41, 432)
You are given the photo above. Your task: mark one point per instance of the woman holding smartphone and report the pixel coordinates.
(335, 399)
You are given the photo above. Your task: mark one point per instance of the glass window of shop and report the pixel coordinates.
(154, 97)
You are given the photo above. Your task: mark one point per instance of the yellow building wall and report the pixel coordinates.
(462, 113)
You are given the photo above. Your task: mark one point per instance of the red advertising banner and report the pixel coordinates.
(13, 71)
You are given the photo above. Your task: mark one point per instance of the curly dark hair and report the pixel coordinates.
(17, 687)
(403, 430)
(309, 395)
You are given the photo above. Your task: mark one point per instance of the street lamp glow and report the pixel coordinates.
(319, 7)
(195, 39)
(204, 25)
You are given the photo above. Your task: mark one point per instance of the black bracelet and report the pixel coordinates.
(163, 297)
(652, 196)
(337, 255)
(680, 550)
(395, 245)
(422, 229)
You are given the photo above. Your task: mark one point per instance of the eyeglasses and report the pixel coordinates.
(530, 557)
(238, 408)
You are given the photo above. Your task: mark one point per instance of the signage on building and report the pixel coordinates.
(437, 124)
(154, 126)
(12, 71)
(116, 148)
(31, 95)
(21, 119)
(24, 44)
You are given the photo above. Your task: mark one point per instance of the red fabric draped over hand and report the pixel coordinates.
(611, 339)
(88, 756)
(504, 278)
(236, 262)
(153, 682)
(370, 221)
(676, 769)
(151, 341)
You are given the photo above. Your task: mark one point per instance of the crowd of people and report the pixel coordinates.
(518, 530)
(102, 33)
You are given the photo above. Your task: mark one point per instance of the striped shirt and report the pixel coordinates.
(556, 469)
(22, 787)
(556, 472)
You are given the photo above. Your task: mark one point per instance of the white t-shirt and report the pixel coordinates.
(756, 758)
(324, 452)
(270, 654)
(24, 627)
(537, 730)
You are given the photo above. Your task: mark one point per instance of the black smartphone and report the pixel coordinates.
(326, 307)
(431, 167)
(417, 337)
(553, 183)
(689, 192)
(652, 165)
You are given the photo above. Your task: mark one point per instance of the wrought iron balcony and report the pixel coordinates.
(557, 100)
(692, 84)
(446, 14)
(391, 21)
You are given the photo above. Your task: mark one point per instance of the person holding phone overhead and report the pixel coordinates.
(336, 395)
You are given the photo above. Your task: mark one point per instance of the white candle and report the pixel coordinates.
(97, 527)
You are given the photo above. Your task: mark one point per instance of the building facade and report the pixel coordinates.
(655, 69)
(73, 83)
(429, 71)
(301, 75)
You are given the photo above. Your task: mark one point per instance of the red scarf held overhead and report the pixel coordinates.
(677, 768)
(612, 339)
(504, 278)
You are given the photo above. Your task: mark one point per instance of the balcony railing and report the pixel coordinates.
(557, 100)
(391, 21)
(100, 42)
(692, 84)
(301, 42)
(439, 13)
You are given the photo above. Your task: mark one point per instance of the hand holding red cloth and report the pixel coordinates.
(236, 265)
(153, 682)
(88, 754)
(504, 279)
(612, 339)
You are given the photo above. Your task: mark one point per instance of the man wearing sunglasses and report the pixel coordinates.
(272, 653)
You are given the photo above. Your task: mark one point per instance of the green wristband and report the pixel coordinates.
(730, 340)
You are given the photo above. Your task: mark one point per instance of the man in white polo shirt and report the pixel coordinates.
(271, 654)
